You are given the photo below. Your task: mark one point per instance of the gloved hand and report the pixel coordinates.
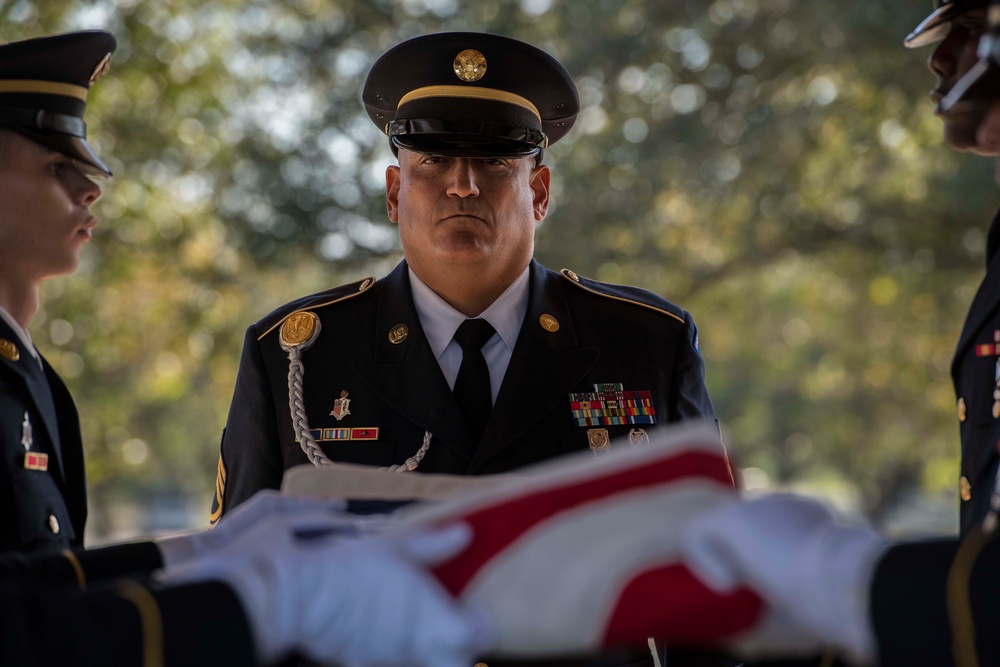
(176, 549)
(812, 573)
(357, 602)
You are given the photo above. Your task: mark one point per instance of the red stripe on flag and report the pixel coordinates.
(497, 526)
(669, 602)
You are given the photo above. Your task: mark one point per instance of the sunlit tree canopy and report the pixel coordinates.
(773, 166)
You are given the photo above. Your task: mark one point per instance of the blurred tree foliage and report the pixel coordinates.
(774, 166)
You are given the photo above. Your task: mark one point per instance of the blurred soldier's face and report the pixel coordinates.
(950, 60)
(988, 135)
(44, 211)
(466, 213)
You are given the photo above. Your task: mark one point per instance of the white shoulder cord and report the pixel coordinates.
(298, 333)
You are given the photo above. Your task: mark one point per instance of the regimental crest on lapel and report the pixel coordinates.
(340, 406)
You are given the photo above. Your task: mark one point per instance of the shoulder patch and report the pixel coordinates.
(633, 295)
(314, 302)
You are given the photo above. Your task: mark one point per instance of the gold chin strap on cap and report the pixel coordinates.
(298, 332)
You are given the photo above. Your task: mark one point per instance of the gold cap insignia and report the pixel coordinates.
(300, 330)
(549, 323)
(965, 488)
(470, 65)
(101, 69)
(8, 350)
(398, 334)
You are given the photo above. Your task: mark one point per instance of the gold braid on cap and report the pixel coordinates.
(44, 87)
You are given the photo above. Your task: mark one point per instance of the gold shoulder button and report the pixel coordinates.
(8, 350)
(965, 488)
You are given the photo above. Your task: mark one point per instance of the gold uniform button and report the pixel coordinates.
(961, 410)
(54, 524)
(549, 323)
(480, 664)
(965, 488)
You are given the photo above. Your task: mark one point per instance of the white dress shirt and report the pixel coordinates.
(440, 322)
(22, 333)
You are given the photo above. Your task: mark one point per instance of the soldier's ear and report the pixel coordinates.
(392, 193)
(540, 178)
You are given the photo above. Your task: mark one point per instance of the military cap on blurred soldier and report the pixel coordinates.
(43, 91)
(378, 375)
(45, 219)
(937, 24)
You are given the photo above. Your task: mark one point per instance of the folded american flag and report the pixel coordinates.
(582, 553)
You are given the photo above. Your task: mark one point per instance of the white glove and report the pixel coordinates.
(176, 549)
(357, 602)
(812, 573)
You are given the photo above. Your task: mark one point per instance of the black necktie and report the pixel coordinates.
(472, 386)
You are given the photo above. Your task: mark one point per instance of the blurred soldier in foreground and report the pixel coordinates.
(827, 585)
(959, 25)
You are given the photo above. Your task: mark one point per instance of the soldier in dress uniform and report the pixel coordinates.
(567, 363)
(958, 26)
(46, 191)
(926, 602)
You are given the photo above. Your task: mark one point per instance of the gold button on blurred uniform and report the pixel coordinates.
(480, 664)
(965, 488)
(54, 524)
(961, 409)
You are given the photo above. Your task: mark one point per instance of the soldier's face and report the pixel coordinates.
(44, 211)
(467, 212)
(988, 135)
(950, 60)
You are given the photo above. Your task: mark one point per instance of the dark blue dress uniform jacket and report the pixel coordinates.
(606, 334)
(40, 511)
(910, 613)
(974, 371)
(65, 612)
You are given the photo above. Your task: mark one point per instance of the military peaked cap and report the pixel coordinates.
(43, 91)
(471, 95)
(935, 27)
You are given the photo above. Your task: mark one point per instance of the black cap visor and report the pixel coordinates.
(438, 125)
(935, 27)
(76, 148)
